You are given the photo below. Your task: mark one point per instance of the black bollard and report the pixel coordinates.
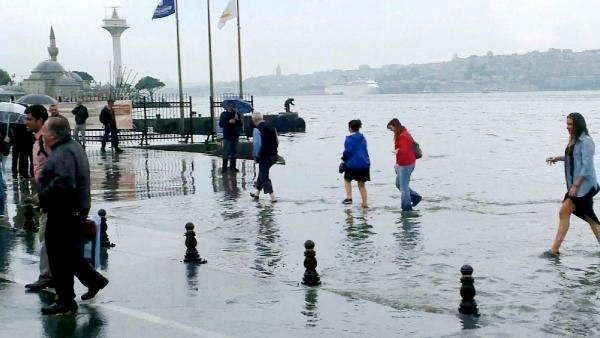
(191, 254)
(104, 241)
(311, 277)
(468, 306)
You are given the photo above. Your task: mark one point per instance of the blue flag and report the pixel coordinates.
(164, 8)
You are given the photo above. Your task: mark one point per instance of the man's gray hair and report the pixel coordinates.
(257, 116)
(59, 126)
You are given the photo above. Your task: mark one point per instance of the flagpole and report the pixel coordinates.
(210, 68)
(179, 71)
(237, 3)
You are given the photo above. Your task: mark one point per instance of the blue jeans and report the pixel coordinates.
(264, 182)
(230, 148)
(409, 196)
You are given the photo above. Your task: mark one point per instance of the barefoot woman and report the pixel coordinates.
(581, 180)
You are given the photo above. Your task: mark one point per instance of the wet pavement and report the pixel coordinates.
(152, 293)
(385, 273)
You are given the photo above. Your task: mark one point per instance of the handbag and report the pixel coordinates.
(342, 167)
(417, 148)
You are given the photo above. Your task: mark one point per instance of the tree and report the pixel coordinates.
(149, 84)
(86, 77)
(4, 78)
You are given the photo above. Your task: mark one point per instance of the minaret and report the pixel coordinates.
(116, 26)
(52, 50)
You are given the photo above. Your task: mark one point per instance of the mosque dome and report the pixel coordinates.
(47, 70)
(65, 80)
(75, 76)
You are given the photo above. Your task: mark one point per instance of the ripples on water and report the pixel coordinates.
(489, 200)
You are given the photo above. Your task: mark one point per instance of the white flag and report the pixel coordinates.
(229, 13)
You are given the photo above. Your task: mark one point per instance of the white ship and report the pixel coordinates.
(358, 87)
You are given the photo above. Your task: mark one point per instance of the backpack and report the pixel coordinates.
(417, 149)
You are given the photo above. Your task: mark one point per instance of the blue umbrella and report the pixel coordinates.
(239, 105)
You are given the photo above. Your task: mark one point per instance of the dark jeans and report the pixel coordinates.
(65, 255)
(264, 182)
(22, 162)
(230, 148)
(230, 151)
(110, 130)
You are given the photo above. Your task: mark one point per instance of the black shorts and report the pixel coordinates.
(360, 175)
(584, 205)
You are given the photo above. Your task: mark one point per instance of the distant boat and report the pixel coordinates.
(358, 87)
(493, 90)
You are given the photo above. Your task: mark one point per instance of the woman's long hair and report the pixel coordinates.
(398, 128)
(579, 126)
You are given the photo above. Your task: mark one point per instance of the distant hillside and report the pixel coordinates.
(554, 69)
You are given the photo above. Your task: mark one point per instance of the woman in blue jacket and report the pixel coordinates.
(582, 184)
(357, 164)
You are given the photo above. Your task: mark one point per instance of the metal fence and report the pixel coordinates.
(167, 118)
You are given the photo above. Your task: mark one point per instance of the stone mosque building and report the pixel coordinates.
(50, 77)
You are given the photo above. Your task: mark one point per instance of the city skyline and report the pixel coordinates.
(301, 36)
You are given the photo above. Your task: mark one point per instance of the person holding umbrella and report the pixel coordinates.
(231, 122)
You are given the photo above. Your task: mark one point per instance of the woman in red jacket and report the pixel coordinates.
(405, 164)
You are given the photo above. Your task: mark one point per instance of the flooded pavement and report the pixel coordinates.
(149, 196)
(385, 273)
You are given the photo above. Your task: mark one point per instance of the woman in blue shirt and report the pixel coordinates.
(357, 164)
(580, 176)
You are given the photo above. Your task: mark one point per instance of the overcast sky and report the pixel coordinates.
(303, 36)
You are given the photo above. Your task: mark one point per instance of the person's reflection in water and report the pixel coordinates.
(227, 184)
(357, 227)
(88, 322)
(407, 237)
(357, 248)
(22, 200)
(7, 243)
(268, 254)
(230, 187)
(310, 310)
(575, 313)
(112, 177)
(187, 178)
(213, 175)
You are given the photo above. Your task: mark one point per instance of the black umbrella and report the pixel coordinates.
(37, 99)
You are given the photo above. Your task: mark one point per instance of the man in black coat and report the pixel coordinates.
(81, 115)
(64, 193)
(264, 149)
(107, 118)
(231, 122)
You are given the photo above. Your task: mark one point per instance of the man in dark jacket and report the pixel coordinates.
(64, 193)
(107, 118)
(231, 122)
(21, 141)
(287, 104)
(81, 115)
(264, 150)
